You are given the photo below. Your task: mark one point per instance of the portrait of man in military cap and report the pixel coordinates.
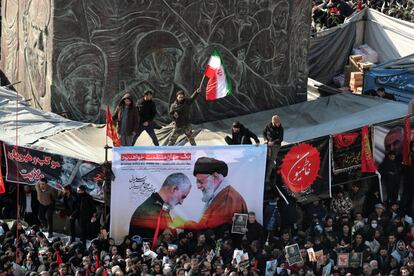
(173, 192)
(157, 55)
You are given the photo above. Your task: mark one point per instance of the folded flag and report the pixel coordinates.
(110, 129)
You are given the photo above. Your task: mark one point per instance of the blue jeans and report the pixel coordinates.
(150, 130)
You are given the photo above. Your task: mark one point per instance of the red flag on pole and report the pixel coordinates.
(97, 265)
(58, 258)
(2, 187)
(367, 162)
(110, 129)
(157, 230)
(359, 5)
(406, 142)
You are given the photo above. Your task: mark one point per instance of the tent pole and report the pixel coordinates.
(107, 180)
(17, 177)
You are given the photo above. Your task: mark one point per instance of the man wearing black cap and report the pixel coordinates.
(147, 111)
(220, 198)
(241, 135)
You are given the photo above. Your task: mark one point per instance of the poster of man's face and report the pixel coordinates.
(197, 187)
(389, 138)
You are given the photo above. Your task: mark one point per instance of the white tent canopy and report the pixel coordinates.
(304, 121)
(309, 120)
(329, 50)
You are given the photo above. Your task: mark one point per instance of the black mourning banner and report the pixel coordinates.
(346, 157)
(303, 170)
(27, 166)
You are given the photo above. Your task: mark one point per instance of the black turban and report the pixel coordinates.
(207, 165)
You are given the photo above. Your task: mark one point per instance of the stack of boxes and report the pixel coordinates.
(354, 73)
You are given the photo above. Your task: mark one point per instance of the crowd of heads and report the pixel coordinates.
(354, 220)
(327, 14)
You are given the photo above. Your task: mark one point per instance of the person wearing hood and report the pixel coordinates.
(126, 116)
(240, 135)
(401, 253)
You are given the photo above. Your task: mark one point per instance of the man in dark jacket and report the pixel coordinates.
(390, 171)
(29, 205)
(126, 116)
(255, 231)
(382, 94)
(70, 202)
(408, 176)
(86, 212)
(180, 112)
(273, 136)
(46, 195)
(240, 135)
(147, 111)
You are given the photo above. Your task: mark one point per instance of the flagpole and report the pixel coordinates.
(202, 80)
(104, 185)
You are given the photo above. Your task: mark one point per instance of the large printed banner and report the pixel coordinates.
(27, 166)
(184, 187)
(304, 170)
(388, 138)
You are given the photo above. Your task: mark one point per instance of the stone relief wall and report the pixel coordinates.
(102, 48)
(26, 47)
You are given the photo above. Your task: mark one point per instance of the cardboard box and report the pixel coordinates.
(353, 62)
(356, 83)
(365, 65)
(357, 75)
(355, 58)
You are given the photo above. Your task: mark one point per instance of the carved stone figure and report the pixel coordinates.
(10, 35)
(236, 31)
(157, 54)
(76, 56)
(36, 19)
(271, 59)
(82, 72)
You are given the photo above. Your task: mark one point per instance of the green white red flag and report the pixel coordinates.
(219, 84)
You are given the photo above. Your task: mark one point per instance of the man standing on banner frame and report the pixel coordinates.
(273, 136)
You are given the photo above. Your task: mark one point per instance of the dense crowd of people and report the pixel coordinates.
(354, 220)
(327, 14)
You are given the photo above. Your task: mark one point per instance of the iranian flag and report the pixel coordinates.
(218, 85)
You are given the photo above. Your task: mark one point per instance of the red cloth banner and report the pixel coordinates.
(406, 142)
(2, 187)
(367, 162)
(58, 258)
(110, 129)
(157, 230)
